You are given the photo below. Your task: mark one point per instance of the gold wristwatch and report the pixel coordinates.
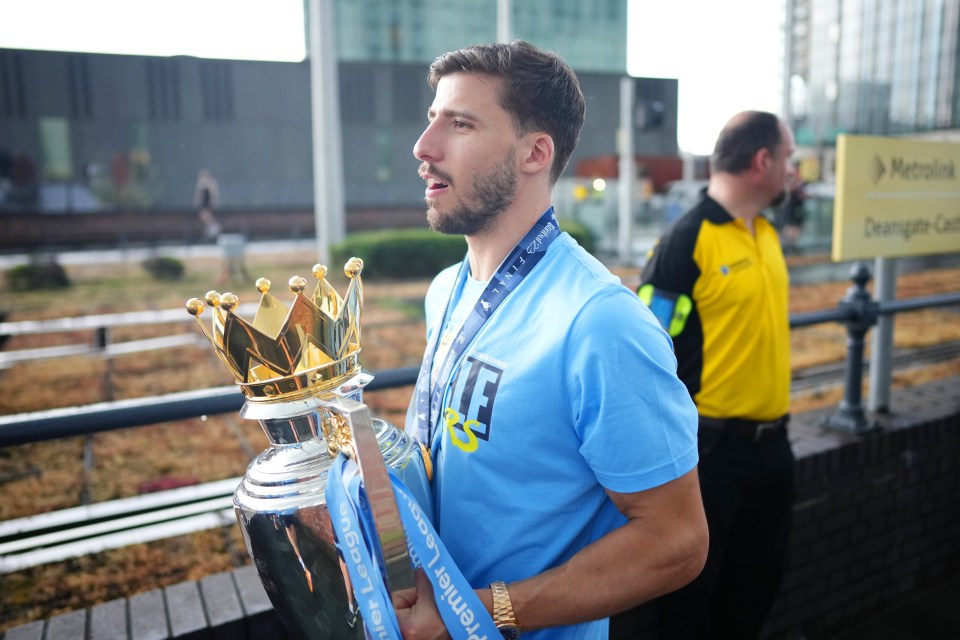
(503, 615)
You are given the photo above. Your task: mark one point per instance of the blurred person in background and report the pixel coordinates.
(718, 283)
(206, 197)
(791, 214)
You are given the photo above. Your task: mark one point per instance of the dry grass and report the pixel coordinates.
(41, 477)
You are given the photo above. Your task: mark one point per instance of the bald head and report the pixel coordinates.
(742, 136)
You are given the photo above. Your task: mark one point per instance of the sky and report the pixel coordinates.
(244, 29)
(726, 54)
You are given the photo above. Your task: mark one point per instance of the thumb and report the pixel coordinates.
(406, 598)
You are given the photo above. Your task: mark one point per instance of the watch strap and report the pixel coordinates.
(503, 615)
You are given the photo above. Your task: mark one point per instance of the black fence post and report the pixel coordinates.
(101, 338)
(862, 313)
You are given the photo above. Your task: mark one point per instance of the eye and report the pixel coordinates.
(460, 124)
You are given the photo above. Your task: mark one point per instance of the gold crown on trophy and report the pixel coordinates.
(289, 352)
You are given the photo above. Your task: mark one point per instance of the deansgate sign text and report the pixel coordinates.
(895, 197)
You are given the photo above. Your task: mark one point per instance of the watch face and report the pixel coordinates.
(509, 632)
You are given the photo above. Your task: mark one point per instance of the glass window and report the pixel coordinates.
(55, 148)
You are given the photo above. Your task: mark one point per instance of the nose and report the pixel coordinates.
(426, 148)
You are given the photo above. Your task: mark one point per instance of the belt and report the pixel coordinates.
(746, 429)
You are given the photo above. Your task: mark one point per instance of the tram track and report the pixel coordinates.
(831, 374)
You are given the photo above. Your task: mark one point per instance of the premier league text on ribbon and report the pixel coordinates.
(448, 595)
(366, 590)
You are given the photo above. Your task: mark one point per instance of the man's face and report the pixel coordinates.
(781, 170)
(468, 155)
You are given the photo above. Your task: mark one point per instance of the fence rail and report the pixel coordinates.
(101, 326)
(36, 426)
(856, 310)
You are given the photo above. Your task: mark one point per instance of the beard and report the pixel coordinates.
(493, 192)
(778, 199)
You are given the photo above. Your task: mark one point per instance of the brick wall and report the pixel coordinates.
(877, 520)
(877, 517)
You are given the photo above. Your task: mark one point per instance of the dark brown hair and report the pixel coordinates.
(742, 137)
(540, 91)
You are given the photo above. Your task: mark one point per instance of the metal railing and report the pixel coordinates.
(856, 311)
(101, 326)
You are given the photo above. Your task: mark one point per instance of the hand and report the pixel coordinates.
(417, 611)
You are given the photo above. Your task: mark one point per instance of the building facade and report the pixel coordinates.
(872, 67)
(591, 36)
(81, 131)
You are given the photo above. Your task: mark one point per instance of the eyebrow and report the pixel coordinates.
(452, 113)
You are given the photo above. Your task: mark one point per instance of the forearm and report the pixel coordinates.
(597, 583)
(661, 548)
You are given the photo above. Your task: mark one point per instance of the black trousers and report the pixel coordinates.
(748, 491)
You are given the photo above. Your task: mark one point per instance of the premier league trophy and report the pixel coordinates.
(300, 371)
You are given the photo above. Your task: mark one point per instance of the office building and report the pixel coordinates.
(872, 67)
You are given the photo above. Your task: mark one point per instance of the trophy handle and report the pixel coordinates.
(379, 489)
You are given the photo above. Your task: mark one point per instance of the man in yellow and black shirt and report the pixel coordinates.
(718, 283)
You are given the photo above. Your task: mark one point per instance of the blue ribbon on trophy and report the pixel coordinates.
(462, 611)
(360, 551)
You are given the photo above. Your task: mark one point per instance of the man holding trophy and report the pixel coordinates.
(564, 445)
(549, 442)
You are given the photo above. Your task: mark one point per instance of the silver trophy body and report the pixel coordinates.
(283, 513)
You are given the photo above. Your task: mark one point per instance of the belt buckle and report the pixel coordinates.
(763, 427)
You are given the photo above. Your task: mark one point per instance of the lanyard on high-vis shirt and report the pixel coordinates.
(460, 608)
(514, 268)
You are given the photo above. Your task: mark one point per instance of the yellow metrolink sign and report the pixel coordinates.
(895, 197)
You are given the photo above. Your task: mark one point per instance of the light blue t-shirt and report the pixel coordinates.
(569, 388)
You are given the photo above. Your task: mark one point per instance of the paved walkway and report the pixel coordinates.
(137, 254)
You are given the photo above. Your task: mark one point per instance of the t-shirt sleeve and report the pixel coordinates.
(671, 266)
(633, 416)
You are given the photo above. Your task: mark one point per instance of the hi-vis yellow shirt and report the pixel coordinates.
(721, 293)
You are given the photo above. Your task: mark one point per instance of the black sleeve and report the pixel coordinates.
(671, 266)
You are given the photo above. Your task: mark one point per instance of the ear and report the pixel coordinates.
(538, 153)
(761, 160)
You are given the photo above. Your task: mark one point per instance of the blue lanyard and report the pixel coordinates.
(514, 268)
(461, 610)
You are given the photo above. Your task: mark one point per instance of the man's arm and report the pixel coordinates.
(662, 547)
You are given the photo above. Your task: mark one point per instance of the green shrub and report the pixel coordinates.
(581, 233)
(164, 268)
(401, 253)
(37, 275)
(419, 253)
